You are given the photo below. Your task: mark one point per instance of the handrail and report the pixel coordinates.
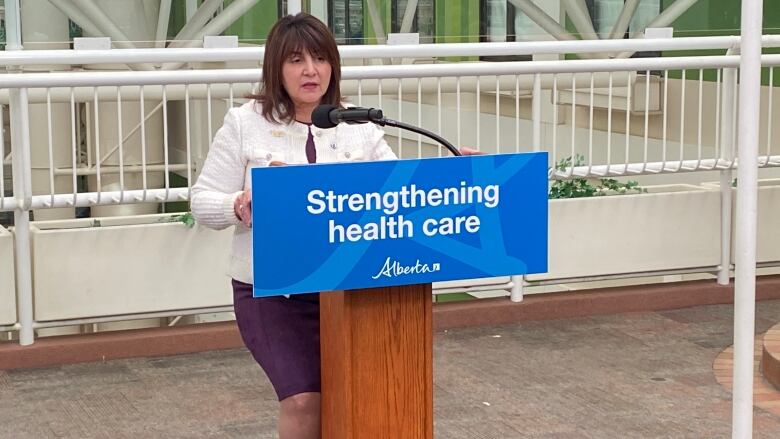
(225, 76)
(85, 57)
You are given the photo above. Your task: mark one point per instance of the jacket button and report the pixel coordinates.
(269, 156)
(318, 134)
(347, 154)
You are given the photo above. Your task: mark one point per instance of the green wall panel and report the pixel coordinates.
(178, 18)
(254, 25)
(457, 21)
(720, 17)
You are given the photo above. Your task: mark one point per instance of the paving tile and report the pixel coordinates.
(636, 375)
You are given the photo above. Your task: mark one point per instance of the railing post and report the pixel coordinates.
(747, 209)
(22, 184)
(518, 282)
(536, 113)
(728, 102)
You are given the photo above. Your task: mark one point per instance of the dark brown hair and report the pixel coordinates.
(295, 33)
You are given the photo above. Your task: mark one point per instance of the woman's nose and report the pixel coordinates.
(308, 65)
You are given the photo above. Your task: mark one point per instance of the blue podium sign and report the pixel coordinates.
(345, 226)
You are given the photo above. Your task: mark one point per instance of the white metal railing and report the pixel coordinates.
(479, 81)
(254, 54)
(484, 105)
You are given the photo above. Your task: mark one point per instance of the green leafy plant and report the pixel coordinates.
(579, 187)
(186, 218)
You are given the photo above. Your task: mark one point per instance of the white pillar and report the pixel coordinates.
(747, 188)
(20, 147)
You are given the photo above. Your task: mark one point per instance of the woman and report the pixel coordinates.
(301, 69)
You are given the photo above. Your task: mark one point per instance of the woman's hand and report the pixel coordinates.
(243, 204)
(243, 207)
(469, 151)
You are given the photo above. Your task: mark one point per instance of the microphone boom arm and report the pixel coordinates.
(394, 123)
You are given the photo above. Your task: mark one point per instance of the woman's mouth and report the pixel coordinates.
(310, 86)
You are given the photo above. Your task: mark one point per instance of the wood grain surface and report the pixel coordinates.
(377, 377)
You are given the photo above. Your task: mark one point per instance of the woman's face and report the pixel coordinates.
(306, 78)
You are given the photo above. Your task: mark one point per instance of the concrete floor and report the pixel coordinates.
(638, 375)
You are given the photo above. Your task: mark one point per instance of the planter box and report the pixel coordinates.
(768, 237)
(7, 278)
(671, 227)
(127, 265)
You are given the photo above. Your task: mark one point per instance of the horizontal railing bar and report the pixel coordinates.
(497, 286)
(349, 87)
(87, 199)
(134, 316)
(652, 168)
(547, 67)
(104, 169)
(557, 281)
(476, 288)
(129, 78)
(178, 55)
(182, 194)
(228, 308)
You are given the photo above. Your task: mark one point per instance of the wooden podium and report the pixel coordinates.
(377, 374)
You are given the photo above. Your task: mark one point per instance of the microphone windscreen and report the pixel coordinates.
(320, 117)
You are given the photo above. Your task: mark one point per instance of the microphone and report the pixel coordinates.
(328, 116)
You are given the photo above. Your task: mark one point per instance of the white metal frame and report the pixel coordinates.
(20, 83)
(545, 75)
(179, 55)
(747, 207)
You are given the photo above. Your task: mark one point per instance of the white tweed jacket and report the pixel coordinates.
(246, 140)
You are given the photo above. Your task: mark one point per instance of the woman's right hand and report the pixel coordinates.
(242, 206)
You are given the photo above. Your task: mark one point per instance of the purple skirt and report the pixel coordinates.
(283, 336)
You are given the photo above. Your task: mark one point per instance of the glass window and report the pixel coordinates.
(497, 21)
(345, 19)
(2, 47)
(424, 19)
(606, 12)
(500, 21)
(645, 13)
